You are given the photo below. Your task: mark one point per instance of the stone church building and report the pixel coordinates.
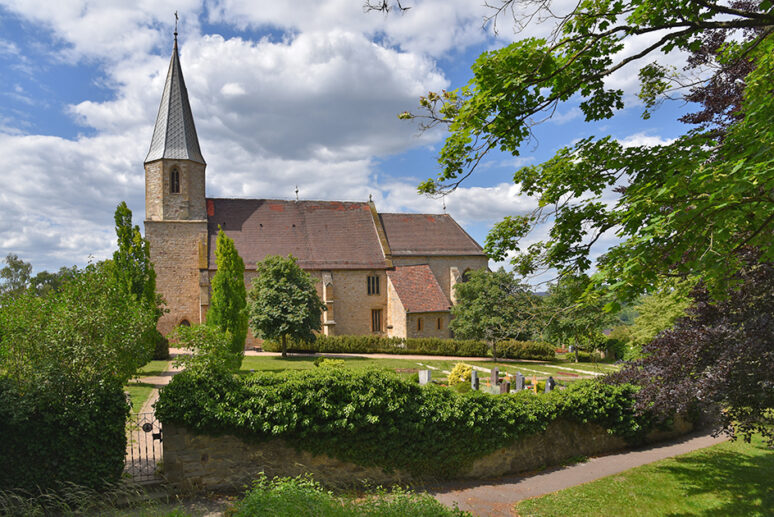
(378, 273)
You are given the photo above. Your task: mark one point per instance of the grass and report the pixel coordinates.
(153, 368)
(139, 393)
(539, 369)
(732, 478)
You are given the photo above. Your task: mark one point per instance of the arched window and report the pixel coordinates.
(174, 181)
(185, 323)
(466, 275)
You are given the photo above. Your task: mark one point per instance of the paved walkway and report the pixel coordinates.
(495, 498)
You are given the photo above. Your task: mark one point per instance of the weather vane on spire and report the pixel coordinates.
(176, 18)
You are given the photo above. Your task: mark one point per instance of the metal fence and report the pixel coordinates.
(143, 447)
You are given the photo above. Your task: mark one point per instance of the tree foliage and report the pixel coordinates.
(574, 319)
(228, 306)
(719, 358)
(91, 330)
(658, 312)
(494, 306)
(133, 267)
(210, 347)
(15, 275)
(283, 302)
(684, 207)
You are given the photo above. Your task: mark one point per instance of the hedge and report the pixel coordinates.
(375, 418)
(424, 346)
(50, 437)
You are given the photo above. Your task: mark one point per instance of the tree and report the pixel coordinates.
(686, 207)
(658, 312)
(574, 316)
(15, 275)
(718, 359)
(210, 346)
(494, 306)
(90, 330)
(283, 302)
(228, 306)
(133, 267)
(44, 282)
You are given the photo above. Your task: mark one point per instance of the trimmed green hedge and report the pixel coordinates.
(373, 417)
(48, 437)
(422, 346)
(526, 350)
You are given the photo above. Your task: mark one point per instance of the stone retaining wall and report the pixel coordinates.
(200, 462)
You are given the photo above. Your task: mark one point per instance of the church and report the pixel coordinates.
(377, 273)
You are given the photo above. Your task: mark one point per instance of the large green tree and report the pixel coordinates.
(228, 306)
(133, 267)
(283, 302)
(494, 306)
(690, 206)
(15, 275)
(572, 318)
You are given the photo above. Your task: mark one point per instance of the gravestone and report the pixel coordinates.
(424, 377)
(505, 387)
(474, 380)
(495, 376)
(519, 382)
(550, 384)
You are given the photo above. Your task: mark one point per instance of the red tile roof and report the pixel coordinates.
(418, 289)
(425, 234)
(320, 234)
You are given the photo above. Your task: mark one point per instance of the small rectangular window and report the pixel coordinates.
(419, 324)
(439, 323)
(373, 284)
(376, 320)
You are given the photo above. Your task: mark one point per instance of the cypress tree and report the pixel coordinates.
(228, 307)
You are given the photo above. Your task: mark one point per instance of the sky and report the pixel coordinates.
(284, 94)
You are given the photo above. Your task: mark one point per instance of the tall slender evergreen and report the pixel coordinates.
(228, 307)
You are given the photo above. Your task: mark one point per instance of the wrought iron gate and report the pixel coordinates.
(143, 447)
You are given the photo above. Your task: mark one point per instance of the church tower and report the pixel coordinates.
(175, 204)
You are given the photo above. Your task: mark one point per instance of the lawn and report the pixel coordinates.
(139, 393)
(559, 370)
(155, 367)
(732, 478)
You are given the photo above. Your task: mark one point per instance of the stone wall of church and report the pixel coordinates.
(429, 324)
(440, 266)
(396, 313)
(161, 204)
(174, 250)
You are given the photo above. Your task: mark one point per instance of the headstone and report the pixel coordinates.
(519, 382)
(550, 384)
(505, 387)
(534, 384)
(474, 380)
(424, 377)
(571, 349)
(495, 376)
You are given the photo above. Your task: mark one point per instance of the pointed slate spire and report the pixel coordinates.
(174, 136)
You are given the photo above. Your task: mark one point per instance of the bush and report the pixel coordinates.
(526, 350)
(460, 374)
(303, 497)
(211, 348)
(384, 345)
(373, 417)
(77, 435)
(160, 346)
(589, 357)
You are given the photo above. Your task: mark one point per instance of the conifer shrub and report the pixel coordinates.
(460, 374)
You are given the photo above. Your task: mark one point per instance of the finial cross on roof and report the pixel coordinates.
(176, 19)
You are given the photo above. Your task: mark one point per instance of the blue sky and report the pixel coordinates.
(283, 94)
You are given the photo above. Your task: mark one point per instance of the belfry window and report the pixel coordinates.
(373, 284)
(174, 181)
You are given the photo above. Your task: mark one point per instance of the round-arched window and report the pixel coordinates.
(185, 323)
(466, 276)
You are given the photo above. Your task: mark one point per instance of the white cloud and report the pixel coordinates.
(643, 138)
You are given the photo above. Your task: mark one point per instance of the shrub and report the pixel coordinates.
(589, 357)
(211, 347)
(375, 418)
(460, 374)
(526, 350)
(301, 496)
(160, 346)
(384, 345)
(75, 434)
